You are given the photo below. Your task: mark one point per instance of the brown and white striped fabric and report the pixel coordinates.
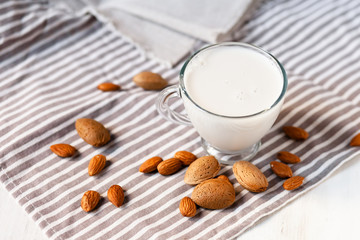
(51, 63)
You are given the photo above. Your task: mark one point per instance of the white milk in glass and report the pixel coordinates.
(234, 84)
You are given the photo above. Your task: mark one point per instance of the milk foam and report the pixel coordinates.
(233, 81)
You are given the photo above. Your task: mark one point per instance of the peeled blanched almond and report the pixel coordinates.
(202, 169)
(150, 81)
(250, 177)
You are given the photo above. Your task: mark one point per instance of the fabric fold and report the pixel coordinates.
(166, 31)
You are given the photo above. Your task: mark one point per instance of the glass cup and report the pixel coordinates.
(228, 138)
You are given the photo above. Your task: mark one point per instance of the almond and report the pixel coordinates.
(187, 207)
(287, 157)
(115, 195)
(150, 165)
(108, 86)
(63, 150)
(92, 132)
(250, 177)
(169, 166)
(293, 183)
(280, 169)
(295, 133)
(89, 200)
(355, 141)
(202, 169)
(149, 81)
(96, 164)
(225, 178)
(214, 193)
(185, 157)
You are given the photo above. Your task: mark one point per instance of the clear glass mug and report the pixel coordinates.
(229, 139)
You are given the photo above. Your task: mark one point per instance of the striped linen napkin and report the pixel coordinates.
(51, 63)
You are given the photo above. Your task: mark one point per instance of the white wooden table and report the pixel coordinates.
(330, 211)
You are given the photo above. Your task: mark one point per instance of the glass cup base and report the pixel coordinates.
(229, 158)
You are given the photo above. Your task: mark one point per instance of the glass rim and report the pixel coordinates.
(248, 45)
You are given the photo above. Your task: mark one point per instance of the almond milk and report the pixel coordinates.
(233, 95)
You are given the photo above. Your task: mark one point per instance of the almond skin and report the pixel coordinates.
(281, 170)
(185, 157)
(187, 207)
(295, 133)
(92, 132)
(108, 86)
(63, 150)
(293, 183)
(150, 81)
(115, 195)
(96, 164)
(89, 200)
(150, 165)
(355, 141)
(250, 177)
(288, 157)
(169, 166)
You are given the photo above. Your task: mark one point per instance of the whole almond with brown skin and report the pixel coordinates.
(355, 141)
(250, 177)
(96, 164)
(89, 200)
(115, 195)
(280, 169)
(293, 183)
(214, 193)
(185, 157)
(223, 177)
(108, 86)
(201, 169)
(150, 165)
(187, 207)
(287, 157)
(169, 166)
(295, 133)
(150, 81)
(92, 132)
(63, 150)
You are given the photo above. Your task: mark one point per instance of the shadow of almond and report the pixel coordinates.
(111, 146)
(104, 170)
(75, 157)
(101, 202)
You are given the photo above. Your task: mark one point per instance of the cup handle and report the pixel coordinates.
(162, 106)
